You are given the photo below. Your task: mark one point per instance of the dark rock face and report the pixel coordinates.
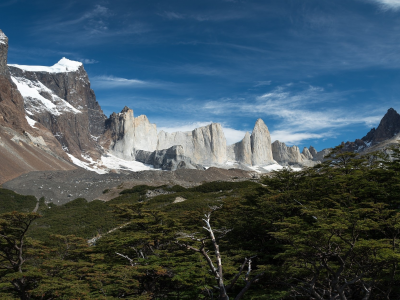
(11, 102)
(76, 126)
(388, 128)
(170, 159)
(3, 54)
(356, 146)
(22, 147)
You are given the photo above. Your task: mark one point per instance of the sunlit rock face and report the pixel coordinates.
(306, 154)
(241, 151)
(254, 149)
(286, 155)
(204, 145)
(260, 140)
(129, 134)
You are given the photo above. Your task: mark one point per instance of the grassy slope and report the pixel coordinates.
(87, 219)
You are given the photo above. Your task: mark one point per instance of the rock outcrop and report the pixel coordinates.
(241, 151)
(307, 154)
(60, 98)
(170, 159)
(321, 154)
(286, 155)
(254, 149)
(204, 145)
(129, 134)
(120, 129)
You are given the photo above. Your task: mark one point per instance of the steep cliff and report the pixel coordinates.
(286, 155)
(24, 146)
(261, 144)
(60, 98)
(204, 145)
(125, 134)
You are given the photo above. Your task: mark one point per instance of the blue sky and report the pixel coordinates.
(318, 72)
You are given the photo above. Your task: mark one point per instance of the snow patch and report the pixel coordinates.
(271, 168)
(107, 163)
(87, 166)
(30, 121)
(63, 66)
(112, 162)
(3, 38)
(32, 92)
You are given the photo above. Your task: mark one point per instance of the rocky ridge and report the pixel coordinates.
(23, 148)
(377, 138)
(137, 139)
(59, 102)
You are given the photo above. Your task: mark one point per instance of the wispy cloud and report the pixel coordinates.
(388, 4)
(199, 69)
(298, 113)
(88, 61)
(293, 138)
(92, 26)
(109, 82)
(212, 16)
(262, 83)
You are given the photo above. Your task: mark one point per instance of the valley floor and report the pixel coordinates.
(60, 187)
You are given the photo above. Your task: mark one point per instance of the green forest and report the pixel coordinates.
(327, 232)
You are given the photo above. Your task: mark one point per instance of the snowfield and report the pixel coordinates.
(63, 66)
(109, 162)
(34, 101)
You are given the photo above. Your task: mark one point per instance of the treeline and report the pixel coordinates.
(327, 232)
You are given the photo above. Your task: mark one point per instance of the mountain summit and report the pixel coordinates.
(388, 128)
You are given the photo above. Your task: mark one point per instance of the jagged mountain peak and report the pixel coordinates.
(64, 65)
(126, 109)
(388, 127)
(260, 123)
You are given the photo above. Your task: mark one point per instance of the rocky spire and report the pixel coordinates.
(261, 144)
(3, 54)
(307, 154)
(312, 150)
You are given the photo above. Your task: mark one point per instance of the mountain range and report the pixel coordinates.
(50, 120)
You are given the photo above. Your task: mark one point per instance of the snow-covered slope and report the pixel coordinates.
(39, 98)
(64, 65)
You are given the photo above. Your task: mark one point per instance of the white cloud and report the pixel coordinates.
(106, 82)
(293, 138)
(303, 112)
(388, 4)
